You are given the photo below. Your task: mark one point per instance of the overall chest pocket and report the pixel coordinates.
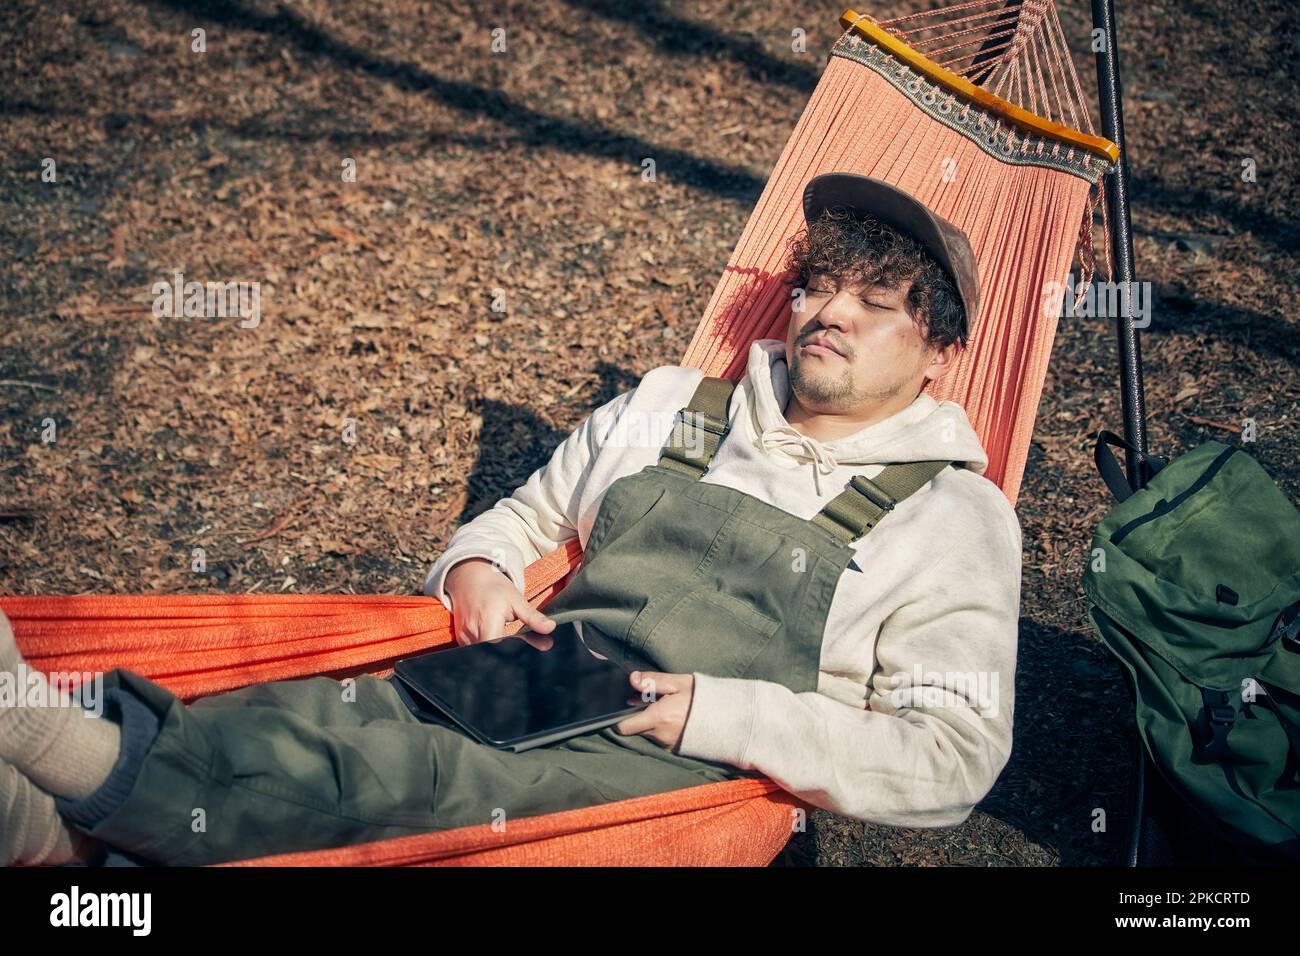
(710, 631)
(628, 502)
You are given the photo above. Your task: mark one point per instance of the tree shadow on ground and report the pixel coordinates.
(515, 441)
(535, 128)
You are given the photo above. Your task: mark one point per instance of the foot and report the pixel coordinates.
(31, 831)
(46, 734)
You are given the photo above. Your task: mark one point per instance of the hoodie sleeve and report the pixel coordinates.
(938, 731)
(539, 516)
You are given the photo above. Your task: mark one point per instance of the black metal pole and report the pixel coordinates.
(1130, 354)
(1117, 199)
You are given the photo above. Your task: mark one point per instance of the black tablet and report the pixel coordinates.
(510, 695)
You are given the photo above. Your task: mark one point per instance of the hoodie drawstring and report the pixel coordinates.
(788, 439)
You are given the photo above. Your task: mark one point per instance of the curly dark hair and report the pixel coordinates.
(852, 247)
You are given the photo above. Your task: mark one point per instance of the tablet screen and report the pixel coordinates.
(508, 690)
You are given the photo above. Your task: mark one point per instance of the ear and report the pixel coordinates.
(942, 361)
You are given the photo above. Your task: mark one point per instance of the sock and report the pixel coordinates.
(31, 831)
(59, 746)
(140, 726)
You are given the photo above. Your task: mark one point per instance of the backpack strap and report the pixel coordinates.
(699, 428)
(858, 508)
(1113, 474)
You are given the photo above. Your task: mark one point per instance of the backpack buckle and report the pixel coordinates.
(875, 494)
(1221, 714)
(1217, 718)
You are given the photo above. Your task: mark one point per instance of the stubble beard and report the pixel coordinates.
(825, 391)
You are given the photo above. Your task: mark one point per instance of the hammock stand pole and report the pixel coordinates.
(1146, 834)
(1117, 201)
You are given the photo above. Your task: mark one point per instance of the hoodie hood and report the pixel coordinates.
(926, 430)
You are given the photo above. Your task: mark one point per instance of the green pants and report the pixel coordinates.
(311, 764)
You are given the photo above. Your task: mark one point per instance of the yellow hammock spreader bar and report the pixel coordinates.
(857, 22)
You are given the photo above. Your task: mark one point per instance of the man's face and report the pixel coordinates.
(880, 357)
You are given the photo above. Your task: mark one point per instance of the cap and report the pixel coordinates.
(945, 243)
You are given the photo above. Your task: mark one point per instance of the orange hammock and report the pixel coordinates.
(1021, 186)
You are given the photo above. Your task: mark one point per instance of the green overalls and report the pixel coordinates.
(678, 576)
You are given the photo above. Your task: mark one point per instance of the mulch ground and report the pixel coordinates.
(521, 172)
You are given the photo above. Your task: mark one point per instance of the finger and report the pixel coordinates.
(465, 631)
(532, 617)
(638, 723)
(538, 641)
(644, 685)
(458, 627)
(655, 683)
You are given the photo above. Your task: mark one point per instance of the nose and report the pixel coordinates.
(833, 315)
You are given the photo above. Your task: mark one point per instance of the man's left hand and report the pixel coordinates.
(665, 719)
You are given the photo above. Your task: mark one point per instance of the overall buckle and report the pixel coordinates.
(690, 418)
(875, 494)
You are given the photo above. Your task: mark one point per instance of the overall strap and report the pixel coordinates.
(699, 428)
(858, 508)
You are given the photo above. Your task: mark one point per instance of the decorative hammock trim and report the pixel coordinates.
(941, 104)
(928, 85)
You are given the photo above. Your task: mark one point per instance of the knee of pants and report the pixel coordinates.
(352, 702)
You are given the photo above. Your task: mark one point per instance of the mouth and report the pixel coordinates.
(821, 346)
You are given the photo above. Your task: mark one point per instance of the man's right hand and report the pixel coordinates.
(484, 600)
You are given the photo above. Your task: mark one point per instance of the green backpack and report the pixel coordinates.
(1194, 584)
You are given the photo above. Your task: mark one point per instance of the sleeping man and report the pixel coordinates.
(805, 569)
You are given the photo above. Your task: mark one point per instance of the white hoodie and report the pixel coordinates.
(910, 724)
